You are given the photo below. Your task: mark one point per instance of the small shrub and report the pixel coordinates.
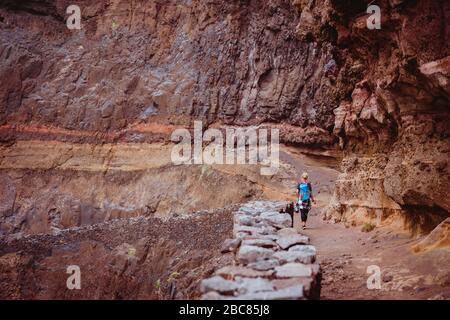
(173, 276)
(367, 227)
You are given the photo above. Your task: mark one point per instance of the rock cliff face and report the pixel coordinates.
(392, 118)
(138, 69)
(136, 63)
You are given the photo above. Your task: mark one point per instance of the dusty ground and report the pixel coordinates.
(345, 254)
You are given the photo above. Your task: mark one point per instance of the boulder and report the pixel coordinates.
(271, 237)
(276, 219)
(241, 235)
(289, 240)
(265, 205)
(264, 243)
(254, 230)
(252, 285)
(439, 238)
(244, 220)
(264, 265)
(251, 209)
(291, 270)
(218, 284)
(291, 293)
(230, 245)
(303, 254)
(290, 282)
(248, 254)
(311, 286)
(230, 272)
(248, 212)
(287, 232)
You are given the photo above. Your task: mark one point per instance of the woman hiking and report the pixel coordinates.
(305, 196)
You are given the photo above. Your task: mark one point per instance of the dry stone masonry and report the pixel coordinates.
(273, 261)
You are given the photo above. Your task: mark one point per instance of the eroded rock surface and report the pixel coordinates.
(137, 71)
(393, 111)
(134, 65)
(438, 238)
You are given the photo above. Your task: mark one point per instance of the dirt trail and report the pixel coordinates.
(346, 252)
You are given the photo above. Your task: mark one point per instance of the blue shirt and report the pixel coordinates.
(304, 189)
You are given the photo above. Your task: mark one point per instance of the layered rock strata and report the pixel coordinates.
(137, 68)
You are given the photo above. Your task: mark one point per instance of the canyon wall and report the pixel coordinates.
(393, 112)
(139, 69)
(135, 65)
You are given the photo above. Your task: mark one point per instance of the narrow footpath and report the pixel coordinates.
(344, 253)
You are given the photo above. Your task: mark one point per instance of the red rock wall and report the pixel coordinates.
(392, 119)
(234, 62)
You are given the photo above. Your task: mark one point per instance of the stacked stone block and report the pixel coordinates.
(273, 261)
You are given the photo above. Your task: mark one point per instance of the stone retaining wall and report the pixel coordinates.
(272, 260)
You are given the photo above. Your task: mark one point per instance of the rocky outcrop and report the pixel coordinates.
(439, 238)
(49, 186)
(272, 260)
